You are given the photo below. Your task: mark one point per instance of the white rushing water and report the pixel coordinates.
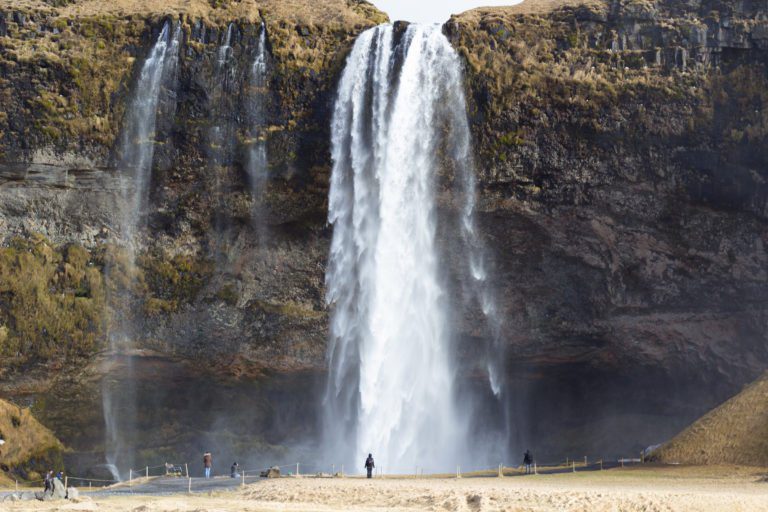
(136, 152)
(392, 365)
(256, 166)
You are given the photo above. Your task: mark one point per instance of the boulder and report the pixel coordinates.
(273, 472)
(72, 493)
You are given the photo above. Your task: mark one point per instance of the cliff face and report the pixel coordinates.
(622, 160)
(68, 74)
(621, 167)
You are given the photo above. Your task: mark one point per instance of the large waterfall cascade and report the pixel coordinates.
(391, 357)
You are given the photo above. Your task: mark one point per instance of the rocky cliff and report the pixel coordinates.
(621, 166)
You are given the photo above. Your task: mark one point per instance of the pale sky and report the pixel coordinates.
(432, 11)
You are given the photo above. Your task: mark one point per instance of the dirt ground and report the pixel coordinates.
(637, 489)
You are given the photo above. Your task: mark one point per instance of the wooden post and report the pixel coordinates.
(243, 478)
(535, 469)
(17, 486)
(573, 463)
(189, 486)
(622, 462)
(297, 469)
(90, 485)
(601, 464)
(186, 469)
(342, 471)
(585, 460)
(130, 478)
(147, 472)
(66, 481)
(501, 474)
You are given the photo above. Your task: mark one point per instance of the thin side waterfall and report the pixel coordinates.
(399, 117)
(257, 151)
(135, 165)
(222, 135)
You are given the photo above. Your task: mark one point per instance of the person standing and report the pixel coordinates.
(369, 465)
(48, 483)
(207, 464)
(528, 460)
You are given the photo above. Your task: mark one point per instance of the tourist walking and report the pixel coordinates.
(207, 464)
(528, 461)
(369, 465)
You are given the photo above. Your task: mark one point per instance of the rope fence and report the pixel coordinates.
(298, 469)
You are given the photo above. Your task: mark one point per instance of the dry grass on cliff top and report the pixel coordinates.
(736, 432)
(300, 11)
(532, 7)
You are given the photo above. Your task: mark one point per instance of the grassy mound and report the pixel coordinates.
(29, 447)
(736, 432)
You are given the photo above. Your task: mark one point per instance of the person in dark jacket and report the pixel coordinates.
(369, 465)
(528, 460)
(234, 471)
(207, 464)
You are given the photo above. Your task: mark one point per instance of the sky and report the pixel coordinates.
(432, 11)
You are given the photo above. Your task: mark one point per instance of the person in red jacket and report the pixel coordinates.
(207, 464)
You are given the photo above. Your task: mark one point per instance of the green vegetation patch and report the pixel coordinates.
(52, 302)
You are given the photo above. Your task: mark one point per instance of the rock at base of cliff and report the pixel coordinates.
(273, 472)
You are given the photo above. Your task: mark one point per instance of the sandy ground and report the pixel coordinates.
(654, 489)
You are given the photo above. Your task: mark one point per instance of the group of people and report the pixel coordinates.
(369, 465)
(50, 477)
(234, 470)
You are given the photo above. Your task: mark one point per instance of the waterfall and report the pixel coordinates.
(136, 152)
(256, 165)
(226, 47)
(400, 116)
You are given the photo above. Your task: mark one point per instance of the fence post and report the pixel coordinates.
(566, 461)
(585, 460)
(189, 485)
(535, 469)
(601, 464)
(458, 472)
(622, 462)
(501, 474)
(147, 472)
(297, 469)
(573, 463)
(243, 478)
(186, 469)
(90, 485)
(333, 469)
(130, 478)
(66, 481)
(17, 486)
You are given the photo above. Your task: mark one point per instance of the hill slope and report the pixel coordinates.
(735, 432)
(29, 447)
